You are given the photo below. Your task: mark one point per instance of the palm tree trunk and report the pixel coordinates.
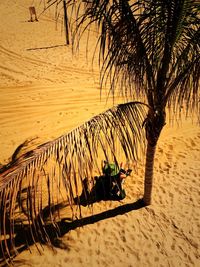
(148, 182)
(154, 124)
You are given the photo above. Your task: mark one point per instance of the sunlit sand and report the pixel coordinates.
(46, 92)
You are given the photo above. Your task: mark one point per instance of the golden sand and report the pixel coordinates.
(45, 92)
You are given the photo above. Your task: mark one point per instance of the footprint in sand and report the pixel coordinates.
(160, 150)
(193, 144)
(89, 241)
(181, 155)
(171, 195)
(163, 190)
(167, 165)
(170, 147)
(173, 246)
(169, 156)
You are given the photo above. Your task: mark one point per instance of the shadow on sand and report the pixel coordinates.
(23, 235)
(45, 47)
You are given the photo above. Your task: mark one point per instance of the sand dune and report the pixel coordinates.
(45, 92)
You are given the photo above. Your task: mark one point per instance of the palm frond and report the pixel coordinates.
(54, 172)
(149, 48)
(120, 44)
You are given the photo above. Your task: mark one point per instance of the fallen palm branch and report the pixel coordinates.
(53, 173)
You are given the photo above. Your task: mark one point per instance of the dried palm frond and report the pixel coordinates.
(150, 49)
(39, 180)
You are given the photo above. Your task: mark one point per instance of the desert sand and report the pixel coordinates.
(45, 91)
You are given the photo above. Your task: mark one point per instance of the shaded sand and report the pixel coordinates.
(164, 234)
(47, 92)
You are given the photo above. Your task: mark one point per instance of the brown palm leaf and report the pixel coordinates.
(53, 173)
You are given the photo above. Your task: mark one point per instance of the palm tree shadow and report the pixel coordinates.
(23, 235)
(121, 210)
(44, 230)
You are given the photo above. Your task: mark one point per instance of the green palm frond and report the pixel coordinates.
(54, 172)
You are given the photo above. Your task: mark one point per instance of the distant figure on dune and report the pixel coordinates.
(33, 14)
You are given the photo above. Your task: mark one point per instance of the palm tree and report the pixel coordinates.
(147, 49)
(151, 49)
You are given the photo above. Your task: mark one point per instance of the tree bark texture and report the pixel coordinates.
(154, 124)
(148, 182)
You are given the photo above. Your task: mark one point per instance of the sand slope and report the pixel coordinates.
(46, 92)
